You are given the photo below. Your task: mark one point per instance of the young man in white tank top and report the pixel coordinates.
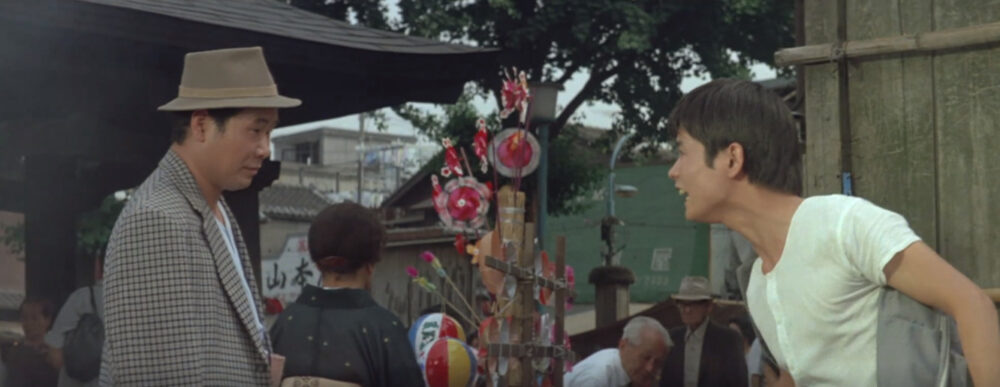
(814, 291)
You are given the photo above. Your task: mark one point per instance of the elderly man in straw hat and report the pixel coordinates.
(707, 353)
(180, 301)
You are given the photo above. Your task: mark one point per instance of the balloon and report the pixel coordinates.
(449, 362)
(431, 327)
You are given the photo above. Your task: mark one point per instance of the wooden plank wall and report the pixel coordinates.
(967, 124)
(891, 115)
(393, 289)
(924, 128)
(821, 162)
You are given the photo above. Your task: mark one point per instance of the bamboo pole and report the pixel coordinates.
(560, 363)
(928, 41)
(510, 205)
(525, 315)
(993, 293)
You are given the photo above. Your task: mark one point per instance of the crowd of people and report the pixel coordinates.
(177, 305)
(40, 358)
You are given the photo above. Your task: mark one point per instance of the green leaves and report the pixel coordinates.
(94, 227)
(13, 237)
(635, 53)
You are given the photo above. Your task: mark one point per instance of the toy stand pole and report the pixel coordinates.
(517, 239)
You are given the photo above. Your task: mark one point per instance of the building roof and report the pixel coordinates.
(281, 19)
(288, 202)
(313, 134)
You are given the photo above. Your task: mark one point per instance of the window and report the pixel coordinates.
(307, 153)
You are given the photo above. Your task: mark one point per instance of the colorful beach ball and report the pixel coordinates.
(431, 327)
(449, 363)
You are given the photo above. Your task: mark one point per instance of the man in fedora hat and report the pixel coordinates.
(707, 353)
(181, 301)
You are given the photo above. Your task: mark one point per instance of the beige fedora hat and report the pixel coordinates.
(227, 78)
(693, 289)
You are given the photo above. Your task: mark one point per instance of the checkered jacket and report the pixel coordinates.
(176, 312)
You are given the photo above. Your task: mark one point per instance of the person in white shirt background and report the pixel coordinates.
(76, 306)
(636, 362)
(825, 260)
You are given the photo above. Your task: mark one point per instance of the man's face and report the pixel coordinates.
(693, 313)
(238, 152)
(704, 188)
(644, 362)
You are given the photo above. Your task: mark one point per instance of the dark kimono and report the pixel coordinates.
(344, 335)
(28, 367)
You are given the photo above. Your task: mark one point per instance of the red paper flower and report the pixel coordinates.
(452, 161)
(463, 204)
(272, 306)
(460, 243)
(412, 271)
(514, 95)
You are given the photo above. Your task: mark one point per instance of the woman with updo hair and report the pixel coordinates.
(336, 331)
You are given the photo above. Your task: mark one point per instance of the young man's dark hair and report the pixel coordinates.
(725, 111)
(344, 237)
(182, 120)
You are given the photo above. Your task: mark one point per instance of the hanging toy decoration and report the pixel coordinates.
(461, 244)
(480, 143)
(463, 204)
(515, 152)
(515, 95)
(489, 245)
(435, 192)
(452, 161)
(420, 280)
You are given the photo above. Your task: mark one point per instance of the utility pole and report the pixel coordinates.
(361, 155)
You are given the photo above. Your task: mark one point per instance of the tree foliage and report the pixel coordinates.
(632, 53)
(93, 229)
(371, 13)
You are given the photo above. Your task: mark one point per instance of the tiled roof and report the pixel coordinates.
(291, 202)
(280, 19)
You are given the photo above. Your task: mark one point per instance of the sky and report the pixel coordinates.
(599, 115)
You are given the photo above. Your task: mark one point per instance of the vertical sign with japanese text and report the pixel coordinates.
(285, 276)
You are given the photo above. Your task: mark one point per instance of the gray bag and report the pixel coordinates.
(915, 344)
(83, 346)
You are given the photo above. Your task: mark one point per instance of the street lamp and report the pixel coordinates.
(609, 221)
(611, 282)
(543, 114)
